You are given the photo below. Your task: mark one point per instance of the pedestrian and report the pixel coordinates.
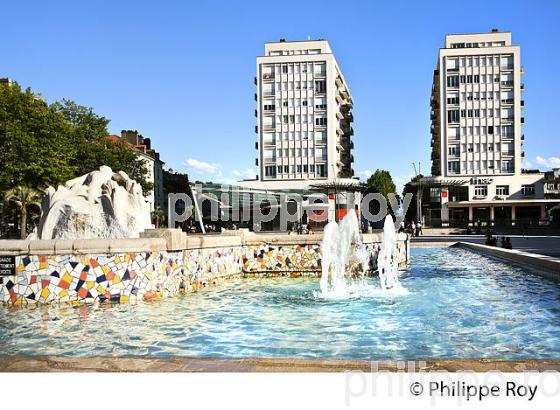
(401, 227)
(418, 228)
(413, 228)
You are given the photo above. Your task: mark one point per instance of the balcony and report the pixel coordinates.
(507, 67)
(522, 102)
(522, 87)
(522, 120)
(522, 71)
(255, 80)
(269, 93)
(508, 83)
(268, 76)
(452, 70)
(256, 129)
(507, 101)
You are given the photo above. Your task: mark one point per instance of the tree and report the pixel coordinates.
(34, 146)
(89, 135)
(158, 216)
(23, 197)
(412, 188)
(382, 183)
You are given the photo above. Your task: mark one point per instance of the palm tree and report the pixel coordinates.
(23, 197)
(158, 215)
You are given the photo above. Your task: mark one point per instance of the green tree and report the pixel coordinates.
(158, 216)
(34, 146)
(381, 182)
(89, 136)
(412, 188)
(23, 197)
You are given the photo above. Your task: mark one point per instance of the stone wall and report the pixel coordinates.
(134, 269)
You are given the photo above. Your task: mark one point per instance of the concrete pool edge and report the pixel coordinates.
(46, 364)
(545, 266)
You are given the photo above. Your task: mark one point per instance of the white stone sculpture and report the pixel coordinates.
(101, 204)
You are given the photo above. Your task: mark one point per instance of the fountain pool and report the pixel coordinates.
(459, 305)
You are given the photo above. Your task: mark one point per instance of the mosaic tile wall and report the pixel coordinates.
(144, 275)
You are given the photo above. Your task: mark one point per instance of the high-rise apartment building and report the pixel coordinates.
(304, 115)
(477, 107)
(477, 136)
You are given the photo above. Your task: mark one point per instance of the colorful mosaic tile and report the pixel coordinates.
(146, 275)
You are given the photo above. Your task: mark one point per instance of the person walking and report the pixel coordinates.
(418, 228)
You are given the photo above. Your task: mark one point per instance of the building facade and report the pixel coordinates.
(304, 114)
(477, 136)
(154, 165)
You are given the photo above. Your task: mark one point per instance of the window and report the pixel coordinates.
(490, 129)
(279, 169)
(507, 131)
(321, 103)
(481, 190)
(321, 121)
(269, 107)
(507, 166)
(453, 81)
(322, 170)
(453, 150)
(453, 99)
(285, 69)
(298, 168)
(270, 171)
(491, 147)
(470, 148)
(286, 169)
(435, 195)
(453, 166)
(453, 116)
(528, 190)
(320, 86)
(502, 190)
(305, 168)
(321, 136)
(304, 103)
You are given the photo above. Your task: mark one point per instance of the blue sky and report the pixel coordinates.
(182, 72)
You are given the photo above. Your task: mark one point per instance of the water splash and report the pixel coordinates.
(346, 261)
(388, 259)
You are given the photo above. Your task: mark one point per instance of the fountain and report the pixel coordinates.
(345, 257)
(101, 204)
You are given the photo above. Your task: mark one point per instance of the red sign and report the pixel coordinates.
(331, 196)
(444, 194)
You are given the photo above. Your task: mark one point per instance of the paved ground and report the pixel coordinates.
(130, 364)
(544, 245)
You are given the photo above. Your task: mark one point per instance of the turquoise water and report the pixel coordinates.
(460, 305)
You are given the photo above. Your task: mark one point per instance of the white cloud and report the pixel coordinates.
(201, 167)
(526, 164)
(248, 173)
(550, 162)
